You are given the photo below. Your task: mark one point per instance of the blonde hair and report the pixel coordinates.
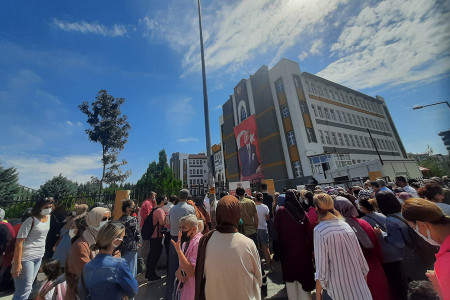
(191, 220)
(107, 234)
(325, 206)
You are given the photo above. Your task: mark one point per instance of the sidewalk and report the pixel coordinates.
(156, 290)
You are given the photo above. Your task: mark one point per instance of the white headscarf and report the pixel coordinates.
(93, 219)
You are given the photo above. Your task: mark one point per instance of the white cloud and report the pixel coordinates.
(188, 139)
(35, 171)
(181, 108)
(69, 123)
(393, 42)
(94, 28)
(315, 48)
(303, 55)
(235, 33)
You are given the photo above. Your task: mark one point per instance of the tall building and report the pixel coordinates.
(219, 168)
(192, 170)
(293, 126)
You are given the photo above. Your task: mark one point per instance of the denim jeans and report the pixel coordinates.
(171, 269)
(131, 258)
(24, 283)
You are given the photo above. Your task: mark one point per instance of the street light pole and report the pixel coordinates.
(422, 106)
(212, 197)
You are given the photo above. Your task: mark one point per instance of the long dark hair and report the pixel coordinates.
(36, 210)
(51, 268)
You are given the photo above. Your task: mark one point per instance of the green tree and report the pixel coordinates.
(9, 185)
(89, 188)
(159, 178)
(58, 187)
(109, 127)
(435, 167)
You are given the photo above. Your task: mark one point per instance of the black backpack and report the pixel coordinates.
(148, 228)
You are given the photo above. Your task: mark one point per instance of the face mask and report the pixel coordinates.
(46, 212)
(72, 233)
(115, 245)
(184, 236)
(102, 223)
(428, 239)
(74, 213)
(41, 276)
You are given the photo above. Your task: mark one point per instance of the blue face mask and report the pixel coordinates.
(102, 223)
(428, 239)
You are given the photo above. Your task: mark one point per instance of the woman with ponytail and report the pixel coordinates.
(107, 277)
(341, 269)
(430, 223)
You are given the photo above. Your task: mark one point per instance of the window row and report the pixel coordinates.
(195, 171)
(348, 118)
(343, 97)
(353, 140)
(197, 162)
(197, 181)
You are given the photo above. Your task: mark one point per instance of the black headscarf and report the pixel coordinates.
(293, 207)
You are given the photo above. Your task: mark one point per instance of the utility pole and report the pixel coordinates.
(375, 146)
(212, 196)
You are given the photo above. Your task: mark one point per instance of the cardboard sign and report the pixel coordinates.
(244, 184)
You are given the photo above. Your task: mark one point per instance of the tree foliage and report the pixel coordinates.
(109, 127)
(159, 178)
(58, 187)
(9, 185)
(89, 188)
(436, 169)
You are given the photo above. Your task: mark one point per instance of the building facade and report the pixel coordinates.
(192, 170)
(219, 168)
(305, 126)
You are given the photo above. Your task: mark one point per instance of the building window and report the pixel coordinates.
(368, 143)
(332, 115)
(349, 118)
(352, 141)
(327, 137)
(297, 169)
(359, 121)
(327, 115)
(314, 109)
(311, 136)
(201, 171)
(285, 111)
(341, 141)
(354, 119)
(344, 117)
(319, 109)
(357, 142)
(346, 140)
(243, 113)
(363, 144)
(291, 138)
(190, 181)
(322, 139)
(333, 138)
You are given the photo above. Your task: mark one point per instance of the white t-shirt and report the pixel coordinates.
(34, 244)
(263, 211)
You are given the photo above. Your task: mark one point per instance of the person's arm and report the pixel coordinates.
(127, 282)
(187, 267)
(81, 258)
(17, 265)
(318, 290)
(255, 217)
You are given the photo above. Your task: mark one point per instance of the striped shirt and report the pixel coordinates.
(340, 264)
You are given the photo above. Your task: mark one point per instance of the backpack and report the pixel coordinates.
(148, 228)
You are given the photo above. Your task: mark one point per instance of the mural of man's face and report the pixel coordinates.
(245, 137)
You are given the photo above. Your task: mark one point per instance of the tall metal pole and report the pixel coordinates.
(212, 198)
(375, 146)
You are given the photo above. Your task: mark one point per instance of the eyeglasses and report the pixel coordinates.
(105, 219)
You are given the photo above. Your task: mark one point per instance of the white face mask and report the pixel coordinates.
(72, 233)
(41, 276)
(428, 239)
(74, 213)
(115, 245)
(102, 223)
(46, 212)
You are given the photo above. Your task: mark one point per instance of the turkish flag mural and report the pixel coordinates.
(248, 149)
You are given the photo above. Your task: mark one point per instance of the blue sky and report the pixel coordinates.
(56, 54)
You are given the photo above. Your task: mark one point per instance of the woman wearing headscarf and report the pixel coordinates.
(66, 233)
(80, 253)
(296, 248)
(234, 254)
(370, 246)
(200, 205)
(199, 216)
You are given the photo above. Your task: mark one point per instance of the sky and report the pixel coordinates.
(56, 54)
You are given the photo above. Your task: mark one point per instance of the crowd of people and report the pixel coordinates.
(381, 240)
